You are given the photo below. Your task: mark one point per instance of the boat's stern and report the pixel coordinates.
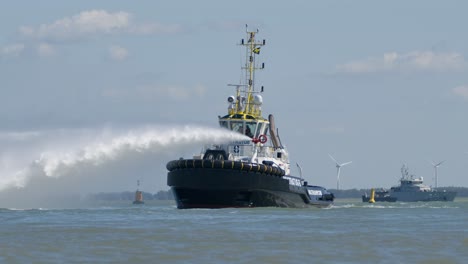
(320, 196)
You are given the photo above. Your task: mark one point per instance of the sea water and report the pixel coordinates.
(40, 171)
(158, 232)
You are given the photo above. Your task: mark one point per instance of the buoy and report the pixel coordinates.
(372, 196)
(138, 195)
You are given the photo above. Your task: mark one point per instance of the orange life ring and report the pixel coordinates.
(263, 139)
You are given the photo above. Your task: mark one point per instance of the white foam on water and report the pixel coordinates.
(59, 164)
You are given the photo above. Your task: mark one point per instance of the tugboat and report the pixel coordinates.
(411, 189)
(254, 172)
(138, 195)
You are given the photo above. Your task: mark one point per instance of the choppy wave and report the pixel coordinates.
(414, 205)
(351, 232)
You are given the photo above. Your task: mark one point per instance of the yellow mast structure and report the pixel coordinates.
(252, 50)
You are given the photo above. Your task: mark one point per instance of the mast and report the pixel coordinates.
(252, 50)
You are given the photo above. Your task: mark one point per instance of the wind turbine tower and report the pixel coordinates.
(300, 169)
(436, 165)
(338, 169)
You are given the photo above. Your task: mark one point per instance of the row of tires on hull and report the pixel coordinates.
(223, 164)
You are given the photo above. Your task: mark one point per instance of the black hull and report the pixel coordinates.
(239, 198)
(210, 187)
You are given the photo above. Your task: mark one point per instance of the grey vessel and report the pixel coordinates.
(412, 189)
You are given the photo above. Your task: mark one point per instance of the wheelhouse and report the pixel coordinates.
(252, 128)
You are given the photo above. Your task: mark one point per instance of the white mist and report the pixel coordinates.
(56, 168)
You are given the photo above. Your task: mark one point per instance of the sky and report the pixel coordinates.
(377, 83)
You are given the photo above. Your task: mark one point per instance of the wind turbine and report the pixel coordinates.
(436, 165)
(300, 169)
(338, 169)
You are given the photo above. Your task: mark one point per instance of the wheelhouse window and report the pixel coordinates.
(250, 129)
(237, 126)
(223, 124)
(261, 128)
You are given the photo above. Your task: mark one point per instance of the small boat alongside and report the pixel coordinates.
(254, 172)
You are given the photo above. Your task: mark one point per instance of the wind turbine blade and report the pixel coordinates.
(333, 159)
(346, 163)
(438, 164)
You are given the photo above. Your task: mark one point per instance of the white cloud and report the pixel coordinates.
(228, 25)
(18, 136)
(45, 50)
(82, 24)
(157, 93)
(94, 22)
(12, 50)
(461, 91)
(155, 28)
(118, 53)
(412, 61)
